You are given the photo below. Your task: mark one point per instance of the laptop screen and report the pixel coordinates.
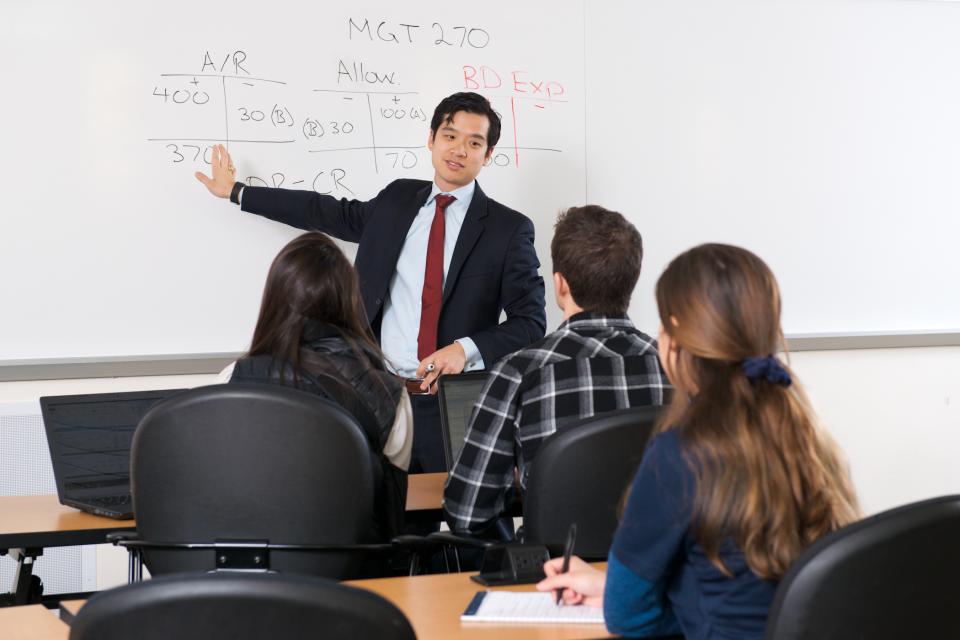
(458, 394)
(89, 437)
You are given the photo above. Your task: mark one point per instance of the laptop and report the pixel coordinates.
(89, 437)
(458, 394)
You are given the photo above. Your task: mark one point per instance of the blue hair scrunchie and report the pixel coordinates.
(766, 367)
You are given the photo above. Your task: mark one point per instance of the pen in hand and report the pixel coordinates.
(567, 552)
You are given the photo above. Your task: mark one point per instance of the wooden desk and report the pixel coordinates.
(433, 605)
(425, 495)
(41, 521)
(28, 524)
(32, 523)
(69, 610)
(32, 622)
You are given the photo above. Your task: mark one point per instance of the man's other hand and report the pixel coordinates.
(450, 359)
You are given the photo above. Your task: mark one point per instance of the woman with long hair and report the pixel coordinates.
(738, 478)
(312, 334)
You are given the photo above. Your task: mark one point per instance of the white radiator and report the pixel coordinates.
(25, 470)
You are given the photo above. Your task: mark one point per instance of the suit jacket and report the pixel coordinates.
(493, 268)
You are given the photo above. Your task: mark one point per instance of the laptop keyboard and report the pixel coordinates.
(110, 501)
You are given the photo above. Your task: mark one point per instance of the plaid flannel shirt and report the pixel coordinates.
(591, 364)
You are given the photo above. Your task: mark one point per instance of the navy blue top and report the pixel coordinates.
(659, 581)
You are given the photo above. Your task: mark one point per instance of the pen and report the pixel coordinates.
(567, 552)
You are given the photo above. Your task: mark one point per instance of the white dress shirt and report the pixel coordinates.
(401, 310)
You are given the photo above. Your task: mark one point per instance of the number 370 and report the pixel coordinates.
(178, 155)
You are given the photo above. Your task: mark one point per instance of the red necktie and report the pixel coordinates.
(432, 282)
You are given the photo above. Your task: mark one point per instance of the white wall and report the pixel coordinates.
(896, 414)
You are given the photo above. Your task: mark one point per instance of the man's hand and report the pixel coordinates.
(224, 173)
(450, 359)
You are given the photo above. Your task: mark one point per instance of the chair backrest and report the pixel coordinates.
(248, 462)
(580, 475)
(893, 575)
(238, 607)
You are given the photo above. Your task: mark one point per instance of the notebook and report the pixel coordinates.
(89, 440)
(457, 394)
(528, 606)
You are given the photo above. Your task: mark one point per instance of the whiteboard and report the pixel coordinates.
(823, 135)
(112, 248)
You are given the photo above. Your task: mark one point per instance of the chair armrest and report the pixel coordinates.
(118, 538)
(445, 537)
(415, 543)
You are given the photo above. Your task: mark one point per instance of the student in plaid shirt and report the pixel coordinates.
(595, 362)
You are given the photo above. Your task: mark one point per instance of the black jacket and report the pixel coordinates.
(331, 369)
(493, 268)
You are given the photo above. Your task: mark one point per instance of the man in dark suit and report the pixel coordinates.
(437, 262)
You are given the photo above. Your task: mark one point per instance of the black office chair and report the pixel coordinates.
(251, 477)
(890, 576)
(238, 607)
(581, 474)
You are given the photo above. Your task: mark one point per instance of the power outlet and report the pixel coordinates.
(528, 562)
(512, 563)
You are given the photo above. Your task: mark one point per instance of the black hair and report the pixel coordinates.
(471, 103)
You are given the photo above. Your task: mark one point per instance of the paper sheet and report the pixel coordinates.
(507, 606)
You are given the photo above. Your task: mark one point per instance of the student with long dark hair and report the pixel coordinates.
(312, 334)
(738, 478)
